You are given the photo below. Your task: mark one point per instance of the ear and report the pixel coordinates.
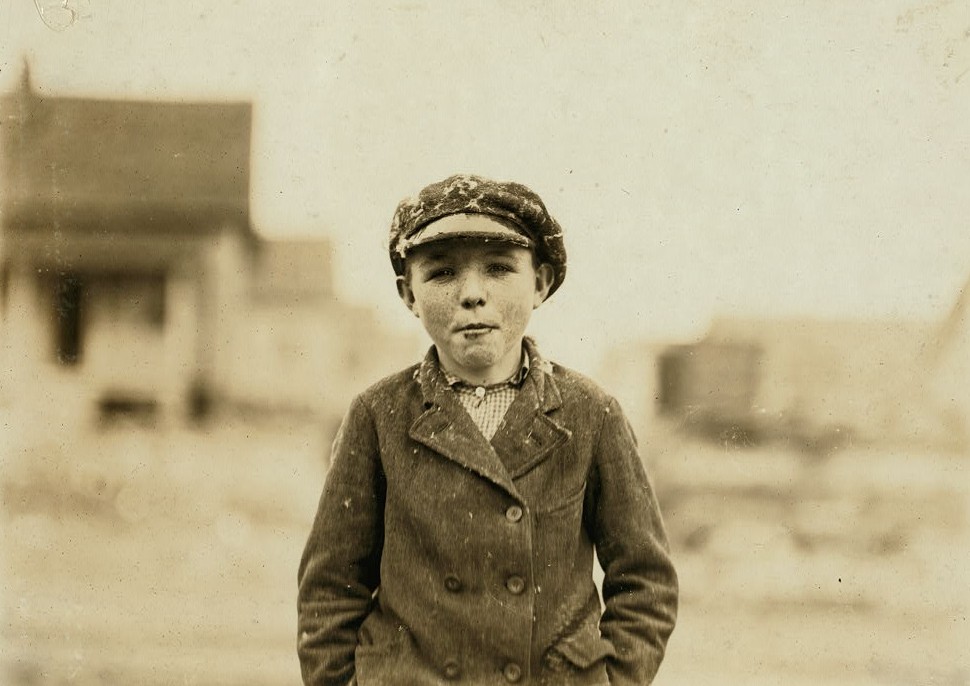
(406, 294)
(545, 275)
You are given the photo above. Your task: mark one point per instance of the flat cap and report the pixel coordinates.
(521, 216)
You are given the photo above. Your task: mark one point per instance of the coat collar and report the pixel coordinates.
(527, 436)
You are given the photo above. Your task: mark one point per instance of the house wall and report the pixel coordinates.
(28, 374)
(271, 350)
(288, 357)
(710, 378)
(862, 376)
(122, 358)
(224, 272)
(125, 354)
(313, 356)
(814, 380)
(629, 372)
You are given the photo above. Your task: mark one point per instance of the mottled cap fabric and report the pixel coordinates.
(521, 215)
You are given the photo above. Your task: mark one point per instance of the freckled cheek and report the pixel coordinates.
(516, 316)
(436, 314)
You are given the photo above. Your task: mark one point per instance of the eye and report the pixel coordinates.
(501, 268)
(440, 273)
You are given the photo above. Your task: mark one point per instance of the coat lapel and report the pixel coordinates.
(528, 435)
(447, 429)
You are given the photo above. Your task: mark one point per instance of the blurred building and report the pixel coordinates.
(712, 382)
(132, 280)
(817, 383)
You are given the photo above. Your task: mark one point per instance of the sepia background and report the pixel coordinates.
(766, 213)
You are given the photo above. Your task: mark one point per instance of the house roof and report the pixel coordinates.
(89, 160)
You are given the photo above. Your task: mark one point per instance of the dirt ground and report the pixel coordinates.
(800, 569)
(168, 556)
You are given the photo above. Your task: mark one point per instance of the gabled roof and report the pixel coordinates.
(80, 158)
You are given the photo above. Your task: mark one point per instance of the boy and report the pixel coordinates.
(455, 534)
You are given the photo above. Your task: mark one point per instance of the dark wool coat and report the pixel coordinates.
(437, 556)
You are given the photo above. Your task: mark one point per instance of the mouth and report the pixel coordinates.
(475, 328)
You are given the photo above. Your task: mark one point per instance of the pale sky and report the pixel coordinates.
(705, 159)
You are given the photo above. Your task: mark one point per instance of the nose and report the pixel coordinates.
(472, 290)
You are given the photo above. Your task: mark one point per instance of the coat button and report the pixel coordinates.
(452, 583)
(515, 584)
(514, 513)
(452, 669)
(512, 672)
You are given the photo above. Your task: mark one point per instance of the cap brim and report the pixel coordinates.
(456, 226)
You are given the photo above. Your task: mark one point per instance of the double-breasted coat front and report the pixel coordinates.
(438, 556)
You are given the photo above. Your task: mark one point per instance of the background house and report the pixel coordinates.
(300, 348)
(133, 281)
(817, 383)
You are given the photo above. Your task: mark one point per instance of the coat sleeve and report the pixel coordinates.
(340, 568)
(640, 588)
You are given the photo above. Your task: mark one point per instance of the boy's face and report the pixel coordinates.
(475, 299)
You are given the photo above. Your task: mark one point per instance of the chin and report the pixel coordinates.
(478, 356)
(477, 361)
